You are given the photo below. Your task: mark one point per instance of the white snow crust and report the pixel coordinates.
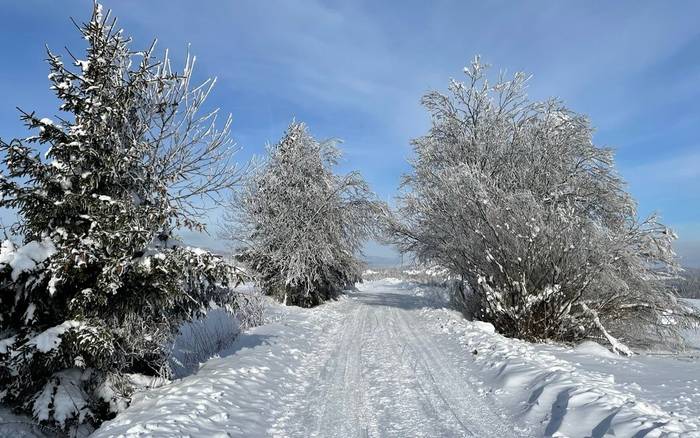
(392, 360)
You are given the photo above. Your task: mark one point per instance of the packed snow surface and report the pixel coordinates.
(25, 258)
(369, 364)
(391, 360)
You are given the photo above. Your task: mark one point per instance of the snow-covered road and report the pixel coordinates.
(390, 360)
(385, 372)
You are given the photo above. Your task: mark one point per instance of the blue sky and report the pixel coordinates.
(356, 70)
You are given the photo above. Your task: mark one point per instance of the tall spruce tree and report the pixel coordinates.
(99, 285)
(302, 224)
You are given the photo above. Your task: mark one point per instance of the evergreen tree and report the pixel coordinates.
(99, 285)
(303, 225)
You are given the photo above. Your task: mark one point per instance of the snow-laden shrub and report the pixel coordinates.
(302, 225)
(514, 197)
(99, 288)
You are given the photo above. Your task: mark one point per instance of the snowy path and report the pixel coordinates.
(386, 373)
(390, 360)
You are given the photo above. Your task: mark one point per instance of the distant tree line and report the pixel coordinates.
(688, 285)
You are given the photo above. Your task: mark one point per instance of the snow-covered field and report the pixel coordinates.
(392, 360)
(389, 360)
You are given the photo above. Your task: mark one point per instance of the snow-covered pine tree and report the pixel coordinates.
(514, 197)
(303, 225)
(99, 285)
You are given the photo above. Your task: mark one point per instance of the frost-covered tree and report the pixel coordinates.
(99, 286)
(302, 225)
(514, 197)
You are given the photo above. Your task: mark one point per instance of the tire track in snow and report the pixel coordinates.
(380, 374)
(372, 364)
(342, 393)
(467, 406)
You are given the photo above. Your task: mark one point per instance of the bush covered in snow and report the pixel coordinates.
(302, 225)
(514, 197)
(99, 288)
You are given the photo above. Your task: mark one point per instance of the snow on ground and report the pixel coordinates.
(16, 426)
(584, 391)
(670, 381)
(389, 360)
(368, 364)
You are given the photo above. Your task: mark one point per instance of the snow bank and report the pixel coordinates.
(20, 426)
(239, 393)
(51, 338)
(595, 349)
(202, 339)
(25, 258)
(568, 400)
